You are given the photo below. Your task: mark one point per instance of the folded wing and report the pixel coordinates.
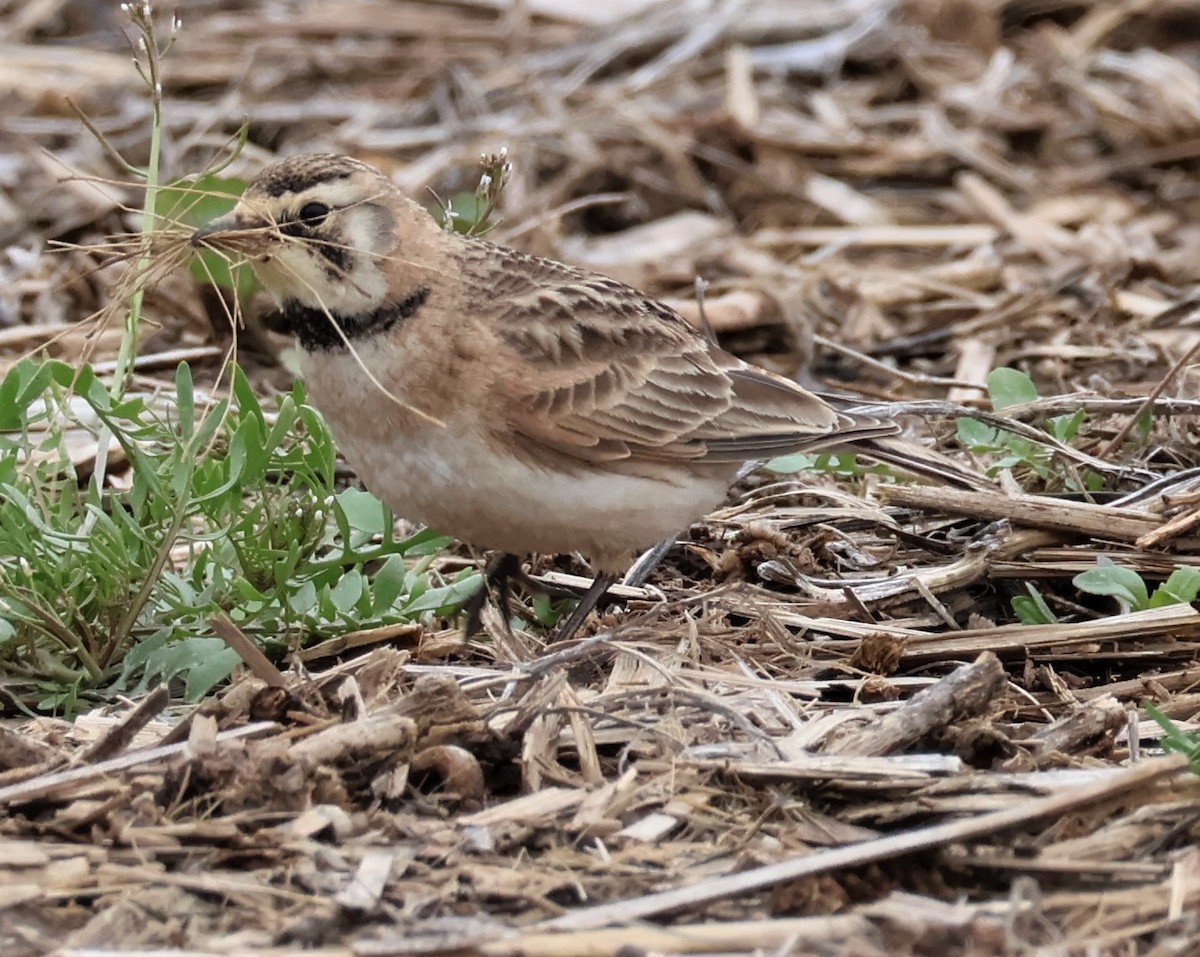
(601, 373)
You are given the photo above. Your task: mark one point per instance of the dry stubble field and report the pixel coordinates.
(822, 728)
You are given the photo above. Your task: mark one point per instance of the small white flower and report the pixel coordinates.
(146, 12)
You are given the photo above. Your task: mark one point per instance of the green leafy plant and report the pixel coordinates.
(226, 508)
(1176, 740)
(222, 505)
(1009, 387)
(1115, 581)
(1130, 590)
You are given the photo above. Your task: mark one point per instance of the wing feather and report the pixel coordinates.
(603, 374)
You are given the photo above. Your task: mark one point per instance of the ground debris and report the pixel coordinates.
(820, 727)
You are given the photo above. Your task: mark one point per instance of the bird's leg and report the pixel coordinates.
(591, 598)
(597, 594)
(501, 569)
(535, 587)
(643, 566)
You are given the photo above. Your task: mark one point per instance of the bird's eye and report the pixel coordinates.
(313, 214)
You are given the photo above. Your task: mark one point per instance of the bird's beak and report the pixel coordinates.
(229, 232)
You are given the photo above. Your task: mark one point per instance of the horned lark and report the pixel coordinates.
(513, 402)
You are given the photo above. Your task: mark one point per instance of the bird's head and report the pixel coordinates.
(321, 231)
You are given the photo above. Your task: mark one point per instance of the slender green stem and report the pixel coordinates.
(133, 318)
(152, 74)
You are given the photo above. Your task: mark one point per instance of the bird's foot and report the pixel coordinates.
(503, 571)
(500, 571)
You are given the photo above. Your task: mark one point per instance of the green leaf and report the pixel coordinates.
(838, 463)
(285, 421)
(364, 512)
(791, 464)
(203, 656)
(247, 402)
(212, 666)
(346, 593)
(1180, 589)
(303, 601)
(185, 400)
(61, 700)
(212, 421)
(1066, 427)
(1175, 739)
(235, 492)
(388, 585)
(194, 203)
(1010, 387)
(136, 658)
(446, 597)
(321, 455)
(1024, 449)
(77, 378)
(1116, 581)
(1145, 422)
(1032, 609)
(246, 448)
(22, 386)
(976, 436)
(467, 209)
(246, 591)
(549, 612)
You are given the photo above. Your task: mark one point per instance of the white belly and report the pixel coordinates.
(450, 479)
